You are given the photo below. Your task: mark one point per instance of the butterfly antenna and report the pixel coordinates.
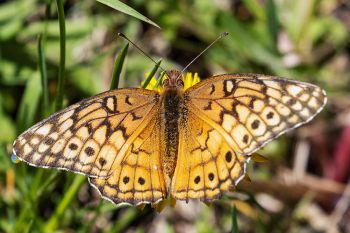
(144, 53)
(193, 60)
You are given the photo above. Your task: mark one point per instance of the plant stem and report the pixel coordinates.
(43, 74)
(61, 71)
(234, 228)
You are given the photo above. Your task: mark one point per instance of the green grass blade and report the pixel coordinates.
(234, 228)
(150, 76)
(61, 71)
(255, 8)
(29, 227)
(272, 21)
(43, 74)
(122, 7)
(118, 66)
(159, 80)
(50, 178)
(64, 204)
(29, 102)
(125, 220)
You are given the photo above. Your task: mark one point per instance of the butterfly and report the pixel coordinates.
(141, 146)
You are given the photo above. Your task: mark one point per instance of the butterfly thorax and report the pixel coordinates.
(173, 107)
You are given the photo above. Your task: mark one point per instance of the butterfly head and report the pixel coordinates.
(173, 80)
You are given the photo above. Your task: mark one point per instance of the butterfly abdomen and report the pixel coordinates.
(172, 105)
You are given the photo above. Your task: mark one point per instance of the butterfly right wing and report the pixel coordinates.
(90, 136)
(206, 165)
(252, 109)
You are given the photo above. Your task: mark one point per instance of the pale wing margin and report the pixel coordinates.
(250, 109)
(87, 137)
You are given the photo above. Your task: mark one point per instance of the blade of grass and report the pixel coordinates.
(159, 80)
(302, 13)
(43, 75)
(61, 71)
(22, 219)
(125, 220)
(150, 76)
(255, 8)
(122, 7)
(29, 102)
(118, 65)
(64, 204)
(272, 21)
(234, 228)
(49, 180)
(29, 227)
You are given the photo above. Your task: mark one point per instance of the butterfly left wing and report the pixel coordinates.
(206, 164)
(87, 137)
(139, 177)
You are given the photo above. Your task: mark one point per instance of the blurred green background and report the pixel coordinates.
(303, 187)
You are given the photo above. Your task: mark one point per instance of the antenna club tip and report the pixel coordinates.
(121, 34)
(224, 34)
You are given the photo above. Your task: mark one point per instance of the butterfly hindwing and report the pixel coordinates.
(139, 176)
(87, 137)
(254, 109)
(206, 166)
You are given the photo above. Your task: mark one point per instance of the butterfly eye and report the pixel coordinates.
(166, 82)
(179, 82)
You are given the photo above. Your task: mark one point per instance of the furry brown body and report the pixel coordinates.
(174, 110)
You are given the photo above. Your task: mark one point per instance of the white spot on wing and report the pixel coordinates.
(44, 130)
(229, 86)
(294, 90)
(64, 116)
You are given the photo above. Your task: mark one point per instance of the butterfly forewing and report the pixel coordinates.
(89, 136)
(249, 110)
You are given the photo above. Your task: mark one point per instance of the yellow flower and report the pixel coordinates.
(189, 80)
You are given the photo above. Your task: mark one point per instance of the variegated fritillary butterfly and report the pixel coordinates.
(139, 146)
